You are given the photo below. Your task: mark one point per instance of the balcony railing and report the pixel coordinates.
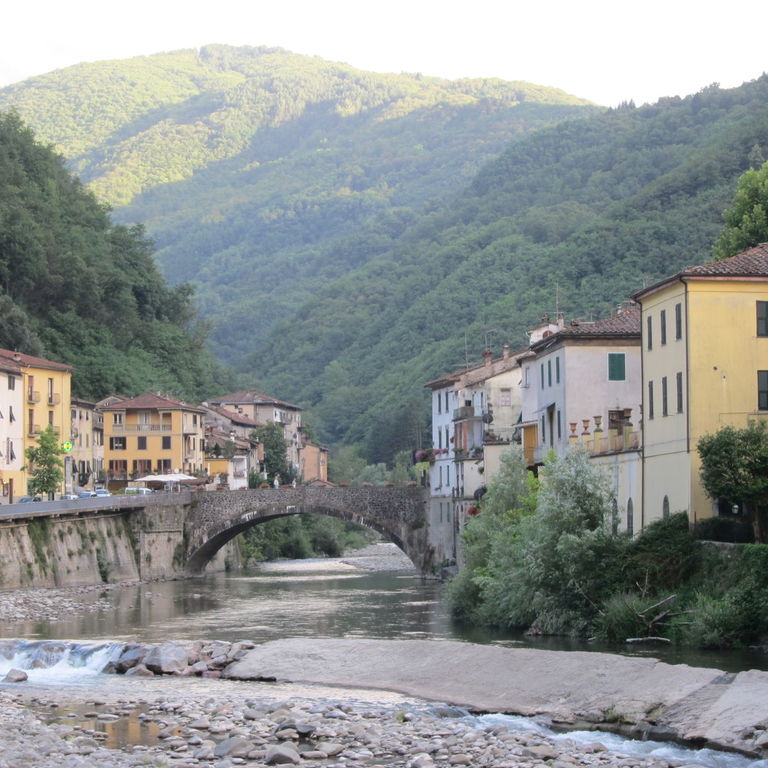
(141, 428)
(54, 398)
(465, 412)
(32, 396)
(34, 429)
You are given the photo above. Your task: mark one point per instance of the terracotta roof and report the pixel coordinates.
(750, 263)
(152, 400)
(30, 360)
(478, 372)
(624, 324)
(234, 416)
(251, 397)
(8, 366)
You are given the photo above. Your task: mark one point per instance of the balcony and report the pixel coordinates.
(118, 428)
(34, 429)
(54, 398)
(32, 396)
(465, 412)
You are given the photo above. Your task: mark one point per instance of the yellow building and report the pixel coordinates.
(46, 399)
(151, 434)
(705, 366)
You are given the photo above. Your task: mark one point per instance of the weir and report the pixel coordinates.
(167, 535)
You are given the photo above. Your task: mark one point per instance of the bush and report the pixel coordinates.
(727, 529)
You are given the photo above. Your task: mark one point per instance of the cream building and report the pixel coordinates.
(705, 366)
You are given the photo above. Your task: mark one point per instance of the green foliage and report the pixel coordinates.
(746, 221)
(275, 452)
(39, 531)
(45, 465)
(734, 468)
(302, 536)
(78, 289)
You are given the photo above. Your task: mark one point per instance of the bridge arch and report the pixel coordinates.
(398, 513)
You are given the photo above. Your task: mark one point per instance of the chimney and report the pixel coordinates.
(487, 356)
(505, 351)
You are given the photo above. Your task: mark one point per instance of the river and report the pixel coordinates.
(327, 598)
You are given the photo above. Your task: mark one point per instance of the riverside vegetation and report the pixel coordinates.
(544, 556)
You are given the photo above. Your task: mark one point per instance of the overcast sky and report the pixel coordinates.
(604, 50)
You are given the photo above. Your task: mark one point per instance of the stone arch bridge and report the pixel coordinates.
(166, 535)
(399, 513)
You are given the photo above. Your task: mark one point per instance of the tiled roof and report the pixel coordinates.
(234, 416)
(8, 366)
(752, 263)
(478, 372)
(624, 324)
(251, 397)
(152, 400)
(30, 360)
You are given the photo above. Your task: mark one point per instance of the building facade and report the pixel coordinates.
(152, 434)
(705, 366)
(12, 476)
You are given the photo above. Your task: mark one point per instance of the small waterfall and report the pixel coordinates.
(47, 661)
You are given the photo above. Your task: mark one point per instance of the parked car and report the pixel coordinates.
(137, 491)
(68, 496)
(86, 494)
(25, 499)
(101, 492)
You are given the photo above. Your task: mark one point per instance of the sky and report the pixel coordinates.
(605, 51)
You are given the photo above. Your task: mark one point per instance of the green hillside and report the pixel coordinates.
(247, 164)
(574, 217)
(78, 289)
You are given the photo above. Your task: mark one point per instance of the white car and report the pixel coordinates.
(137, 491)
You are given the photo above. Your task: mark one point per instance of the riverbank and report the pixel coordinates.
(193, 723)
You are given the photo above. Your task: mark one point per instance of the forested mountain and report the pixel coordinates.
(354, 235)
(78, 289)
(247, 164)
(574, 217)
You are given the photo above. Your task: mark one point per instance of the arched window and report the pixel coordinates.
(665, 508)
(630, 518)
(614, 516)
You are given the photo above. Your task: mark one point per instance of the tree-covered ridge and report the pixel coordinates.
(80, 290)
(573, 217)
(128, 126)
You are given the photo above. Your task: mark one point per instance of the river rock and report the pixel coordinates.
(166, 658)
(236, 746)
(131, 656)
(140, 671)
(280, 754)
(15, 676)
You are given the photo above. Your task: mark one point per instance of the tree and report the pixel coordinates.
(734, 468)
(275, 452)
(746, 221)
(45, 465)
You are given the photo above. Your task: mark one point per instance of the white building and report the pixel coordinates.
(11, 432)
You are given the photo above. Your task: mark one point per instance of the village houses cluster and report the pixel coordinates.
(118, 440)
(683, 358)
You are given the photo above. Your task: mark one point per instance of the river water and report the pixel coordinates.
(326, 598)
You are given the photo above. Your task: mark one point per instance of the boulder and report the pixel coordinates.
(167, 658)
(281, 754)
(15, 676)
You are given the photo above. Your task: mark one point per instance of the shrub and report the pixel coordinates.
(727, 529)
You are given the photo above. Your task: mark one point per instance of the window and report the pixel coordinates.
(663, 326)
(678, 321)
(559, 427)
(762, 318)
(116, 443)
(543, 435)
(665, 508)
(664, 411)
(142, 443)
(505, 397)
(762, 390)
(649, 332)
(439, 402)
(630, 517)
(11, 417)
(446, 402)
(11, 382)
(542, 375)
(166, 442)
(549, 373)
(557, 370)
(50, 417)
(117, 419)
(616, 366)
(679, 382)
(50, 391)
(650, 399)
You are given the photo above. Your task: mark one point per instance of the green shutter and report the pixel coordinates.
(616, 370)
